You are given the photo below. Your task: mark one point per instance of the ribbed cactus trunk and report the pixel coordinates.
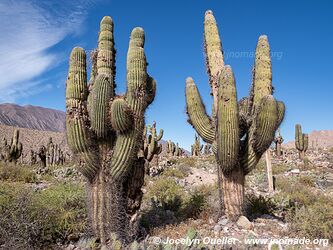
(233, 192)
(105, 132)
(240, 132)
(301, 141)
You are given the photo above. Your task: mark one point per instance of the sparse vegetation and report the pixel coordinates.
(259, 205)
(34, 219)
(17, 173)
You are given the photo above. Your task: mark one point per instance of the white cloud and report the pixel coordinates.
(28, 29)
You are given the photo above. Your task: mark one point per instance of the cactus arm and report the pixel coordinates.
(151, 90)
(121, 116)
(265, 125)
(197, 112)
(227, 121)
(281, 113)
(262, 79)
(160, 135)
(305, 142)
(106, 53)
(126, 146)
(79, 136)
(101, 93)
(213, 54)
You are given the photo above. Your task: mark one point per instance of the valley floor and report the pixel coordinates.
(46, 209)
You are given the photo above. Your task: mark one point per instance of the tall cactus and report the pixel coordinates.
(105, 131)
(151, 148)
(278, 144)
(240, 132)
(301, 141)
(50, 150)
(13, 151)
(196, 148)
(171, 148)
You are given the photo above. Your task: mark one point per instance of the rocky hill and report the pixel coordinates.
(32, 117)
(33, 138)
(317, 139)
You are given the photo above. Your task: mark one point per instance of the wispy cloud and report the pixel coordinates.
(28, 29)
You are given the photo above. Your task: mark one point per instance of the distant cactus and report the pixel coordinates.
(301, 141)
(207, 149)
(196, 148)
(33, 157)
(13, 151)
(151, 148)
(240, 132)
(105, 131)
(177, 150)
(171, 148)
(278, 144)
(50, 150)
(42, 156)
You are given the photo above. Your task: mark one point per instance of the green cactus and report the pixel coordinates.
(151, 148)
(177, 150)
(240, 132)
(171, 148)
(105, 131)
(13, 151)
(196, 148)
(42, 154)
(50, 150)
(301, 141)
(278, 144)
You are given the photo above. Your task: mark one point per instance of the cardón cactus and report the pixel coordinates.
(301, 141)
(171, 148)
(105, 131)
(151, 148)
(278, 144)
(240, 132)
(13, 151)
(196, 148)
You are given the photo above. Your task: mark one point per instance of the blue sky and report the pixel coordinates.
(37, 37)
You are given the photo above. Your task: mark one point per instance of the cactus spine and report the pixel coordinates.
(196, 148)
(105, 131)
(278, 144)
(301, 141)
(152, 148)
(255, 118)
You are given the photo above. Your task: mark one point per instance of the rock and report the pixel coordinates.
(70, 247)
(217, 228)
(267, 217)
(295, 171)
(243, 222)
(223, 221)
